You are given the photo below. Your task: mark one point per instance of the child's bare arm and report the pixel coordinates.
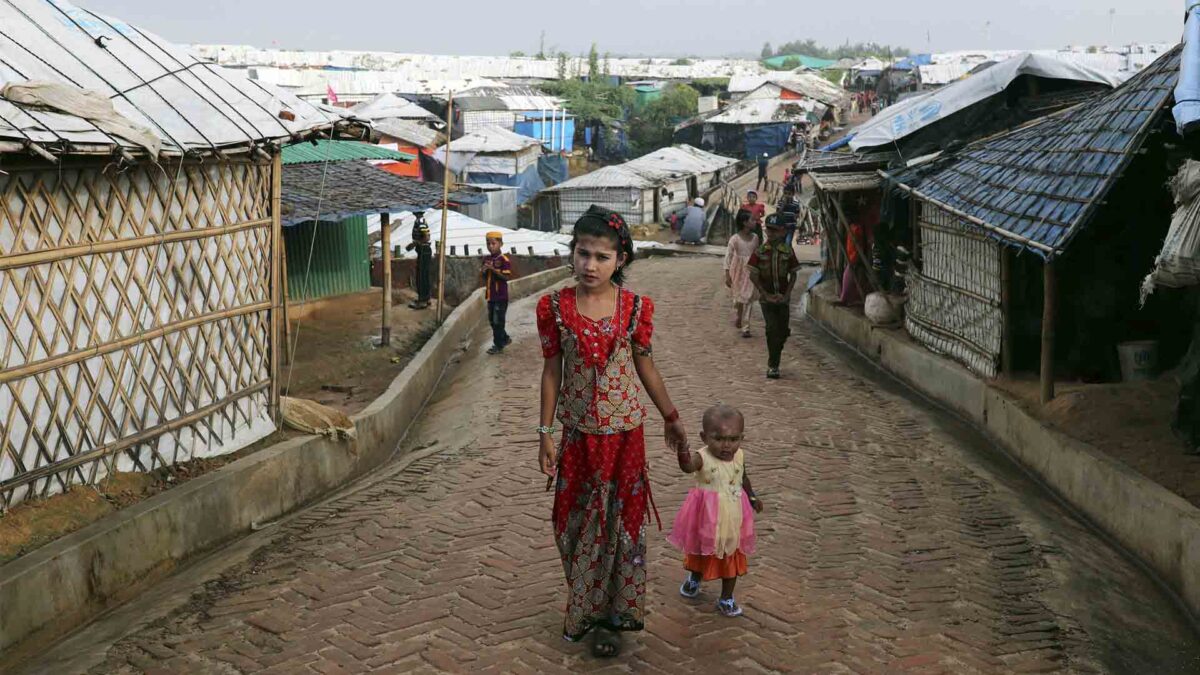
(689, 462)
(749, 490)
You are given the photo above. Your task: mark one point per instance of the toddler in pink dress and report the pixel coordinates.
(715, 526)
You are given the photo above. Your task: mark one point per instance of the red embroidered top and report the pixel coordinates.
(600, 392)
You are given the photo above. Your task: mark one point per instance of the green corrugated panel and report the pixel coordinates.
(336, 151)
(340, 258)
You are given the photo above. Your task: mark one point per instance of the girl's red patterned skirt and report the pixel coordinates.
(600, 511)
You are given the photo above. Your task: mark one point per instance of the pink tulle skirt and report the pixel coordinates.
(695, 529)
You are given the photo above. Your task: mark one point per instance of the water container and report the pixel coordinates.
(1139, 360)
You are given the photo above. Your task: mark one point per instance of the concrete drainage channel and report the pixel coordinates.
(1158, 527)
(67, 583)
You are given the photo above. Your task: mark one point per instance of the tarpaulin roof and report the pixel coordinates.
(411, 132)
(331, 191)
(1038, 185)
(846, 182)
(818, 160)
(391, 106)
(326, 150)
(188, 104)
(915, 113)
(805, 60)
(492, 139)
(656, 168)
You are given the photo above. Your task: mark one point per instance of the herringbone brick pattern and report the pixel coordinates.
(887, 546)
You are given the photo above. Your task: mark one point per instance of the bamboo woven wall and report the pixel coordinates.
(954, 301)
(135, 318)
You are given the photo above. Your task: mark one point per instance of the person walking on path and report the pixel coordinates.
(497, 270)
(763, 163)
(422, 242)
(757, 210)
(596, 340)
(715, 525)
(773, 272)
(741, 246)
(693, 223)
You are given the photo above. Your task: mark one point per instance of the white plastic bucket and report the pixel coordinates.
(1139, 360)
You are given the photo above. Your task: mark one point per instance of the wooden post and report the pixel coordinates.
(1006, 340)
(385, 240)
(1048, 315)
(445, 202)
(287, 326)
(276, 291)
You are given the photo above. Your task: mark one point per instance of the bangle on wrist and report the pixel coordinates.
(671, 416)
(545, 430)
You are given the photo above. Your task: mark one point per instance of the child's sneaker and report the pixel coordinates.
(772, 373)
(728, 608)
(690, 588)
(495, 350)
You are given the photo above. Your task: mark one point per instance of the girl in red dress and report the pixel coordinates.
(596, 340)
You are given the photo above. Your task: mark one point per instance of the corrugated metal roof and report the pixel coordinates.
(187, 104)
(336, 151)
(656, 168)
(492, 139)
(1038, 185)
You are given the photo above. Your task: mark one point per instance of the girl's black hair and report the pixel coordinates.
(743, 216)
(604, 223)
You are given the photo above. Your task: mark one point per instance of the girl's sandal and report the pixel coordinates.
(606, 643)
(728, 608)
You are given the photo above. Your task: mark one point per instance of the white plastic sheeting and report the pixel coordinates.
(1178, 265)
(652, 170)
(492, 139)
(918, 112)
(389, 106)
(188, 104)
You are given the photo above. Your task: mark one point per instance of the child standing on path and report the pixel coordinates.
(715, 525)
(773, 272)
(742, 245)
(497, 270)
(596, 341)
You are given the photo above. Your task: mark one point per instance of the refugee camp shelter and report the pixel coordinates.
(642, 190)
(496, 155)
(501, 107)
(762, 121)
(1030, 247)
(326, 243)
(1004, 95)
(411, 138)
(140, 300)
(388, 107)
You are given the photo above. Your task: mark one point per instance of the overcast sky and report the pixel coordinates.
(668, 27)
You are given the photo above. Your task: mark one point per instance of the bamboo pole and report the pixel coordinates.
(116, 246)
(1006, 339)
(276, 268)
(385, 240)
(1048, 316)
(287, 326)
(445, 202)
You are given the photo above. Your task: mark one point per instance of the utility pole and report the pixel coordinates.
(987, 33)
(1112, 25)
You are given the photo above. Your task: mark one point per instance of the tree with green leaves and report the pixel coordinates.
(593, 63)
(562, 65)
(654, 126)
(767, 52)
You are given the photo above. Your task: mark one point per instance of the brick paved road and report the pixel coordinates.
(894, 541)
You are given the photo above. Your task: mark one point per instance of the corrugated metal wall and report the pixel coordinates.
(340, 258)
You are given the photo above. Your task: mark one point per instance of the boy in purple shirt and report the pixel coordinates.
(497, 270)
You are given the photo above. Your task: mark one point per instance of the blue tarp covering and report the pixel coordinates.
(553, 169)
(769, 138)
(542, 127)
(1187, 92)
(528, 182)
(838, 144)
(913, 61)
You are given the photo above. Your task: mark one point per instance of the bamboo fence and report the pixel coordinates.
(138, 311)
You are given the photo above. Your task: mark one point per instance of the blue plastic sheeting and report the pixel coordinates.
(769, 138)
(549, 131)
(528, 182)
(1187, 92)
(837, 145)
(553, 169)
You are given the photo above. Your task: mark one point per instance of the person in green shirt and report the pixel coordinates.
(773, 272)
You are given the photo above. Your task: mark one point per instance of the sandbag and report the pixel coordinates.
(1178, 265)
(882, 309)
(311, 417)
